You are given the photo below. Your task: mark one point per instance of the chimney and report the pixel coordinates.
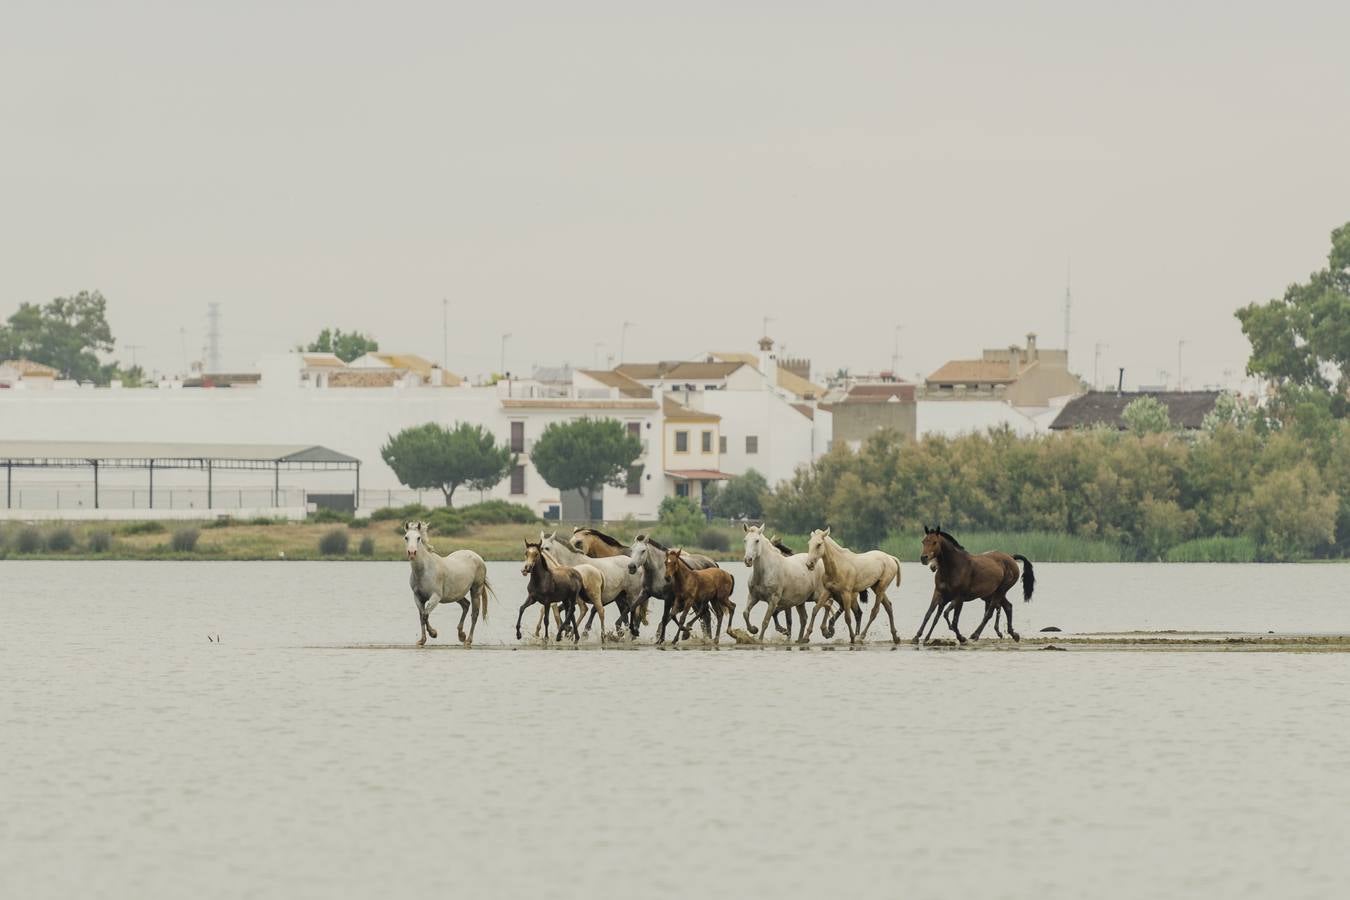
(1120, 382)
(1032, 353)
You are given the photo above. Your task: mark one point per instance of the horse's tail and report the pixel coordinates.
(897, 572)
(1028, 577)
(487, 589)
(862, 596)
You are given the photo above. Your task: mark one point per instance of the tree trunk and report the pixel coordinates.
(586, 494)
(449, 494)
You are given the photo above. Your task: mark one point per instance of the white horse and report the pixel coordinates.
(780, 582)
(620, 585)
(847, 574)
(445, 579)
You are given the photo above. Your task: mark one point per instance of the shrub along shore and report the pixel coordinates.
(495, 533)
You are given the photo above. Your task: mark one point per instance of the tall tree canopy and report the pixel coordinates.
(585, 455)
(345, 345)
(1303, 338)
(67, 334)
(433, 456)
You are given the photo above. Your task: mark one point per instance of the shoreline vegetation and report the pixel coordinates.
(495, 533)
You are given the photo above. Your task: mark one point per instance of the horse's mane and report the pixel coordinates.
(955, 542)
(654, 542)
(606, 538)
(782, 547)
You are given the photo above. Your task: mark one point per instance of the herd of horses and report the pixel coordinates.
(576, 579)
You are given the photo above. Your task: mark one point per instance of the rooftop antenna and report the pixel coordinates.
(623, 337)
(895, 354)
(1068, 306)
(133, 348)
(213, 337)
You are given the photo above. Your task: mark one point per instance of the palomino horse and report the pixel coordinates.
(595, 543)
(445, 579)
(649, 559)
(551, 583)
(698, 592)
(963, 576)
(846, 575)
(782, 581)
(620, 586)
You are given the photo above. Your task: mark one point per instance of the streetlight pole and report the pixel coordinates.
(895, 354)
(506, 337)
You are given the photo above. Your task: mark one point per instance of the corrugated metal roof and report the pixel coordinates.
(32, 451)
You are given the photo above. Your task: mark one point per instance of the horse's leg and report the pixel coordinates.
(479, 601)
(821, 600)
(665, 619)
(943, 606)
(1007, 615)
(539, 625)
(464, 605)
(930, 610)
(520, 615)
(998, 614)
(872, 616)
(770, 609)
(990, 604)
(850, 615)
(956, 622)
(890, 614)
(749, 605)
(432, 602)
(786, 612)
(421, 618)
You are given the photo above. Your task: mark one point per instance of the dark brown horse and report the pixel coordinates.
(961, 577)
(552, 583)
(697, 592)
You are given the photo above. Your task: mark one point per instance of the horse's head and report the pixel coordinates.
(580, 540)
(637, 554)
(533, 552)
(673, 562)
(754, 543)
(815, 547)
(414, 533)
(932, 546)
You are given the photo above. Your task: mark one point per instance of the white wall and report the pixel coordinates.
(786, 437)
(355, 421)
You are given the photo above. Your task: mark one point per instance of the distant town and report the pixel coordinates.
(304, 429)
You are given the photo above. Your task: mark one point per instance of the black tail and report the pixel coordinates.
(1028, 578)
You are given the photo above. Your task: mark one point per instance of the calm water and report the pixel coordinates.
(139, 760)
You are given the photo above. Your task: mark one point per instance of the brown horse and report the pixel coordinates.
(596, 544)
(961, 577)
(552, 583)
(698, 591)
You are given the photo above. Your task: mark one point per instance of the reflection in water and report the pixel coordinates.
(142, 760)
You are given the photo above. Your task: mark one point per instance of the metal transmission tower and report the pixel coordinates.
(213, 337)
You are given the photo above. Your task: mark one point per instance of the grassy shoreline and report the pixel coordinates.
(277, 540)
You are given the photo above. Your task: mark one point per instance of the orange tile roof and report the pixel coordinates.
(627, 386)
(672, 410)
(972, 371)
(29, 369)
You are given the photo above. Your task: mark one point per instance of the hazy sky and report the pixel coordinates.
(555, 169)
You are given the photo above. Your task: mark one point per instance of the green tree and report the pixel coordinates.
(680, 521)
(345, 345)
(585, 455)
(1291, 514)
(67, 334)
(433, 456)
(1303, 338)
(741, 497)
(1147, 415)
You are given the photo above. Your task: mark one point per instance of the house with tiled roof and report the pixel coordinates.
(1026, 376)
(425, 370)
(1185, 409)
(26, 373)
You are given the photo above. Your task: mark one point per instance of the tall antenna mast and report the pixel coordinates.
(213, 337)
(1068, 307)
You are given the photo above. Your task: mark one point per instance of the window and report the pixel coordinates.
(635, 479)
(681, 442)
(518, 480)
(681, 489)
(635, 429)
(517, 443)
(752, 443)
(707, 442)
(722, 444)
